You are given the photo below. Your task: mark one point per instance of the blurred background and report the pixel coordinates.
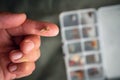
(51, 65)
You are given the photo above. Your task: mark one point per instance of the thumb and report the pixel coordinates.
(30, 27)
(9, 20)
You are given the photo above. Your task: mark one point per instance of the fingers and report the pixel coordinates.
(21, 69)
(9, 20)
(35, 28)
(16, 24)
(29, 50)
(24, 58)
(17, 56)
(30, 43)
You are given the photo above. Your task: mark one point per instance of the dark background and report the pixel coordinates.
(51, 64)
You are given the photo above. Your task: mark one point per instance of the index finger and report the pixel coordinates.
(35, 28)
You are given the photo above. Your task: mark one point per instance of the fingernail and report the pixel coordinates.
(17, 55)
(29, 45)
(12, 68)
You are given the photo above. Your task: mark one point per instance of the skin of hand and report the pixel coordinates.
(19, 44)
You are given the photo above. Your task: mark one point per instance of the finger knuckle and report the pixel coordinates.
(29, 69)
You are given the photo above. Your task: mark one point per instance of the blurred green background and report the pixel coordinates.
(51, 64)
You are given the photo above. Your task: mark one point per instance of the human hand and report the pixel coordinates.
(19, 44)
